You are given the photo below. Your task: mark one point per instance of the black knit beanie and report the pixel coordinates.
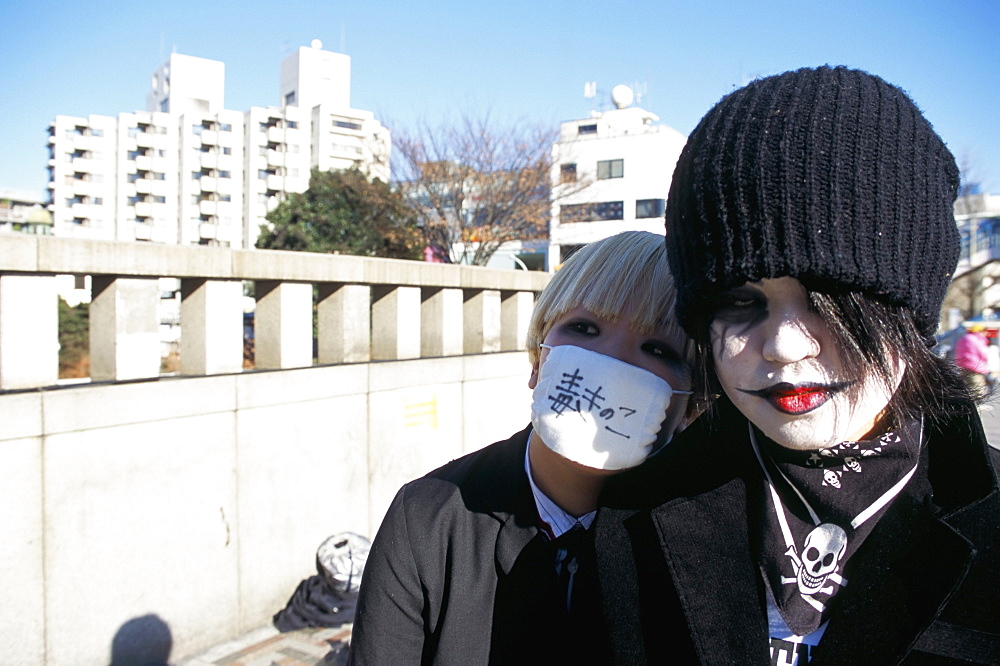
(828, 175)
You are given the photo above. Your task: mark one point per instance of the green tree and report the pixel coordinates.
(343, 212)
(74, 339)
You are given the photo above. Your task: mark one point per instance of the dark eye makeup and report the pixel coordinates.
(739, 305)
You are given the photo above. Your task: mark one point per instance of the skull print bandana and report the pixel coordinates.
(819, 507)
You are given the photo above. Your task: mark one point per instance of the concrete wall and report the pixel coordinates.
(202, 501)
(188, 508)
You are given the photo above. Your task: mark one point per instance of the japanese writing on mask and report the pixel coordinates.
(575, 395)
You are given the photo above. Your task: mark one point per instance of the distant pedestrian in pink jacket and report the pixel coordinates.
(971, 355)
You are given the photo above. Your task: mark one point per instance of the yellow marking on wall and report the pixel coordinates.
(423, 414)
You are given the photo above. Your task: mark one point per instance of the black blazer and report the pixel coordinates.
(459, 573)
(680, 583)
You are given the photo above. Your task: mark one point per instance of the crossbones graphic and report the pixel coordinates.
(824, 546)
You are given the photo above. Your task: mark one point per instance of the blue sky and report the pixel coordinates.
(520, 59)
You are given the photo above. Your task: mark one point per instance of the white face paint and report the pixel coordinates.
(777, 361)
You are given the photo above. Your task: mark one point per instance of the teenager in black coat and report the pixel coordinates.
(490, 559)
(841, 505)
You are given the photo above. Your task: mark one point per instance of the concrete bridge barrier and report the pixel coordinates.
(200, 498)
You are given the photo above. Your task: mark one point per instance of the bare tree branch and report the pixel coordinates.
(476, 184)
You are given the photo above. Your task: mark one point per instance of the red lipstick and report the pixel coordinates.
(797, 398)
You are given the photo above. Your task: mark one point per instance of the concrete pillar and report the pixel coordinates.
(344, 323)
(211, 326)
(515, 315)
(283, 325)
(482, 321)
(441, 322)
(396, 323)
(124, 328)
(29, 331)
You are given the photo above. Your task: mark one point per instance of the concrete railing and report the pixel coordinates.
(200, 499)
(367, 309)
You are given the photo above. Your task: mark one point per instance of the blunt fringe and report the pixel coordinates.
(624, 277)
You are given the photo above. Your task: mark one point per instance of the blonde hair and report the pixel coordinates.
(625, 276)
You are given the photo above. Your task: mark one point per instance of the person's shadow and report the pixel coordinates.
(142, 641)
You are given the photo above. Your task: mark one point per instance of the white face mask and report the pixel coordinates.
(598, 411)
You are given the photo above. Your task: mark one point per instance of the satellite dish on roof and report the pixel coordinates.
(316, 44)
(622, 96)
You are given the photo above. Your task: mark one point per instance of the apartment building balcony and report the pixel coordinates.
(276, 183)
(209, 138)
(143, 231)
(143, 140)
(144, 209)
(82, 187)
(84, 210)
(207, 230)
(82, 164)
(276, 134)
(143, 186)
(275, 158)
(207, 183)
(86, 142)
(207, 207)
(144, 163)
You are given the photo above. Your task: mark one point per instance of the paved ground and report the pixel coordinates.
(267, 647)
(311, 647)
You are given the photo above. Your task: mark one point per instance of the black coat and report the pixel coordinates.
(460, 573)
(681, 585)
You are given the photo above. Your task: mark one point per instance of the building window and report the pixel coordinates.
(292, 124)
(195, 175)
(225, 127)
(225, 174)
(197, 129)
(591, 212)
(587, 129)
(567, 173)
(610, 169)
(290, 98)
(645, 208)
(346, 124)
(226, 150)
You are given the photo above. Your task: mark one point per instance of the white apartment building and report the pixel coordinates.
(23, 211)
(975, 290)
(189, 171)
(611, 173)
